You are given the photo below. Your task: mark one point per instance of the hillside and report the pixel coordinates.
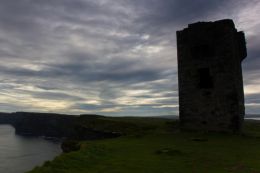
(153, 145)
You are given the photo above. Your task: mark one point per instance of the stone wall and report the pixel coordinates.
(211, 94)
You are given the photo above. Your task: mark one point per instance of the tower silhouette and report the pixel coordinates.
(211, 96)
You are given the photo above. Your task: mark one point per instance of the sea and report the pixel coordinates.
(255, 118)
(19, 154)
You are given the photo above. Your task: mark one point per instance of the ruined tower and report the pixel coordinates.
(211, 95)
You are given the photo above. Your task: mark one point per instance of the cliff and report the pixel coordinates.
(57, 125)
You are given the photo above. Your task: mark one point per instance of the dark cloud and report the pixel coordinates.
(181, 11)
(88, 73)
(91, 107)
(55, 96)
(252, 61)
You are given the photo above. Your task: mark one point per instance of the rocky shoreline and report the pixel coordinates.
(66, 127)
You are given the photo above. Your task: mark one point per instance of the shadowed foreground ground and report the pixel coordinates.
(155, 145)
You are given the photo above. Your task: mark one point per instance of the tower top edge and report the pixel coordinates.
(202, 24)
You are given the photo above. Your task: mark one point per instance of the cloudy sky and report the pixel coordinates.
(111, 57)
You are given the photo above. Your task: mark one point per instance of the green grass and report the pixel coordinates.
(156, 146)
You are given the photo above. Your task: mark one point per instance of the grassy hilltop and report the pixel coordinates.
(153, 145)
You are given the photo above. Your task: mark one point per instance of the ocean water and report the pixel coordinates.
(19, 154)
(253, 118)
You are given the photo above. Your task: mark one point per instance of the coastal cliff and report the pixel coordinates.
(57, 125)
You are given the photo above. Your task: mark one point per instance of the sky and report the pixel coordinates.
(109, 57)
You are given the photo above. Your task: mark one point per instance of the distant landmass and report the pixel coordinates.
(85, 126)
(252, 116)
(79, 127)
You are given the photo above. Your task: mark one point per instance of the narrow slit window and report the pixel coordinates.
(205, 78)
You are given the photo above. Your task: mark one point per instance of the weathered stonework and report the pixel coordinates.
(211, 95)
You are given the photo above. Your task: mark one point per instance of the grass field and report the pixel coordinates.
(156, 146)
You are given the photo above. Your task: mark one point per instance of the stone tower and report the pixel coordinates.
(211, 95)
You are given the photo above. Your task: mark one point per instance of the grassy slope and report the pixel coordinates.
(153, 146)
